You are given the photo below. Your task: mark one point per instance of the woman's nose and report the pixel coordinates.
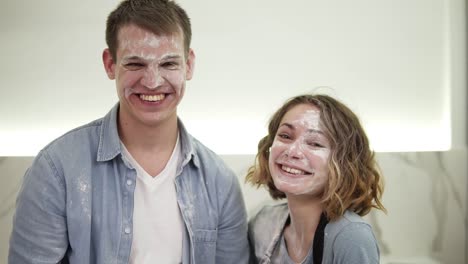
(295, 150)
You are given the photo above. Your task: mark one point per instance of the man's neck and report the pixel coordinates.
(150, 146)
(149, 138)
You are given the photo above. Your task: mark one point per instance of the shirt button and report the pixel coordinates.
(129, 182)
(127, 230)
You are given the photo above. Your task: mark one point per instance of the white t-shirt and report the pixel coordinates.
(157, 222)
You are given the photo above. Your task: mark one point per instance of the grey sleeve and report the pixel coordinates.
(356, 244)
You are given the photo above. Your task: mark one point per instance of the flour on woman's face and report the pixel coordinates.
(300, 153)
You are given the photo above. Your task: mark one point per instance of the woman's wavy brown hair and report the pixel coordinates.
(355, 182)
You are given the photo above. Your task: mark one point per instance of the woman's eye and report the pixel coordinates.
(315, 144)
(285, 136)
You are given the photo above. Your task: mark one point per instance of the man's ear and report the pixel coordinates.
(190, 65)
(109, 64)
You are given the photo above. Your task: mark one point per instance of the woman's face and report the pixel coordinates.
(300, 152)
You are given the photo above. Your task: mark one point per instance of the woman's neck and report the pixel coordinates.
(304, 218)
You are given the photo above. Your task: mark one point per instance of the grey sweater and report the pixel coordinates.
(348, 240)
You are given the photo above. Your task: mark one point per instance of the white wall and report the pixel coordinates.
(400, 64)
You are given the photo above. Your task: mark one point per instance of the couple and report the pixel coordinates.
(136, 187)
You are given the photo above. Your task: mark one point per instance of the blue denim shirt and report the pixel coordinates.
(76, 202)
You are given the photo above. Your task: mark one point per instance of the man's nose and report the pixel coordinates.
(152, 78)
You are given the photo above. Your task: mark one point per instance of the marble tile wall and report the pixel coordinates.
(425, 195)
(12, 170)
(426, 198)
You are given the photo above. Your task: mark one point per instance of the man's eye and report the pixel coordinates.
(134, 65)
(171, 65)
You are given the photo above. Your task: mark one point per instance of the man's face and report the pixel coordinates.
(150, 72)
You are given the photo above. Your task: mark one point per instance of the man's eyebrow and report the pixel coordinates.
(165, 57)
(134, 57)
(171, 56)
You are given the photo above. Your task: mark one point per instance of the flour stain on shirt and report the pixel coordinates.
(84, 188)
(189, 211)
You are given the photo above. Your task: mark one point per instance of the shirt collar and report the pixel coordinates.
(109, 141)
(187, 146)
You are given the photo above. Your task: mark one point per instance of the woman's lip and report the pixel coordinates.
(294, 166)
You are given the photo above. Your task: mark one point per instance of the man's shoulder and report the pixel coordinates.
(74, 149)
(202, 150)
(84, 136)
(207, 158)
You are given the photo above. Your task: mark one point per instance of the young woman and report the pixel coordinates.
(317, 156)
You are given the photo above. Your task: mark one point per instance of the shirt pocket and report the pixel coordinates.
(205, 235)
(204, 246)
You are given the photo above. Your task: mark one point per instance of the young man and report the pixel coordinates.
(134, 186)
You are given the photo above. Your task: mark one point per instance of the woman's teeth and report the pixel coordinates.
(292, 170)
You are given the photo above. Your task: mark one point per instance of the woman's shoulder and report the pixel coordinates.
(349, 226)
(347, 220)
(265, 228)
(270, 217)
(271, 210)
(351, 238)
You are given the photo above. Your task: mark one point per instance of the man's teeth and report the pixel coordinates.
(292, 170)
(152, 98)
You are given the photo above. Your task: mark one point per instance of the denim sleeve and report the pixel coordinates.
(356, 244)
(39, 233)
(232, 243)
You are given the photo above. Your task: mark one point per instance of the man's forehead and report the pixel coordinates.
(137, 31)
(129, 37)
(142, 43)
